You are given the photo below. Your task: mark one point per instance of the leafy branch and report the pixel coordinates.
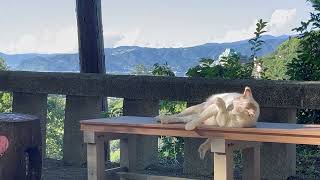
(256, 42)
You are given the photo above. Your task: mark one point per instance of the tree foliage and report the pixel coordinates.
(306, 67)
(275, 64)
(140, 69)
(55, 124)
(256, 42)
(5, 98)
(170, 148)
(229, 68)
(162, 70)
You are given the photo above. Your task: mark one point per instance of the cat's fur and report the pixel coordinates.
(223, 110)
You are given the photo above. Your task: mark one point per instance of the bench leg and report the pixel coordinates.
(223, 166)
(223, 159)
(251, 163)
(95, 156)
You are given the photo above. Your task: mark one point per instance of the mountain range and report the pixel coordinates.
(122, 60)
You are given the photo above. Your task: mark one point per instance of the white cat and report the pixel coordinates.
(223, 110)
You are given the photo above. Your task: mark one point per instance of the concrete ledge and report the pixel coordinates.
(136, 176)
(268, 93)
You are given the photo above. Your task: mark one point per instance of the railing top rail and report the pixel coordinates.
(268, 93)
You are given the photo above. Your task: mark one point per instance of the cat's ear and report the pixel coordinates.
(247, 92)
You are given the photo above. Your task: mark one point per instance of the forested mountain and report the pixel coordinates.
(123, 59)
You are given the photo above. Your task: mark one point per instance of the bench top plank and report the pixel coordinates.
(263, 132)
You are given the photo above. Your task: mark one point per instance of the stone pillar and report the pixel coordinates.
(278, 161)
(33, 104)
(77, 108)
(138, 152)
(192, 164)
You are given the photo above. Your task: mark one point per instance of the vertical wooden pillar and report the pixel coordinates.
(192, 164)
(33, 104)
(90, 36)
(77, 108)
(224, 166)
(95, 152)
(278, 161)
(223, 159)
(138, 152)
(91, 48)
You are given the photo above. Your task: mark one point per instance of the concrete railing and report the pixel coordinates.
(279, 101)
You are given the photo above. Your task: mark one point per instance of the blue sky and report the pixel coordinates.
(47, 26)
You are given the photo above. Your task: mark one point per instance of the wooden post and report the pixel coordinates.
(95, 156)
(90, 39)
(278, 161)
(90, 36)
(137, 152)
(223, 159)
(33, 104)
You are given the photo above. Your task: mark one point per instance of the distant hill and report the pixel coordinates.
(123, 59)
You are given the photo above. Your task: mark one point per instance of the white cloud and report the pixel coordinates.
(115, 39)
(281, 22)
(112, 38)
(44, 41)
(64, 39)
(235, 35)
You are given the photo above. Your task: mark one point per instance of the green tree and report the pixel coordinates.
(3, 65)
(256, 45)
(170, 148)
(5, 98)
(115, 107)
(229, 67)
(140, 69)
(256, 42)
(55, 124)
(306, 67)
(207, 69)
(275, 64)
(162, 70)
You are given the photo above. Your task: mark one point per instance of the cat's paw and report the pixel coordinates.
(251, 114)
(202, 152)
(219, 102)
(190, 126)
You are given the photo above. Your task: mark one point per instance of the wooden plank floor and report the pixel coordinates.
(263, 132)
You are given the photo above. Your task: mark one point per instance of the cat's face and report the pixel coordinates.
(245, 104)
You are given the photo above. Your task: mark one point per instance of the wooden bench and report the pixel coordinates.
(226, 140)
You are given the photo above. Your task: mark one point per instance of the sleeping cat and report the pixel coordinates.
(223, 110)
